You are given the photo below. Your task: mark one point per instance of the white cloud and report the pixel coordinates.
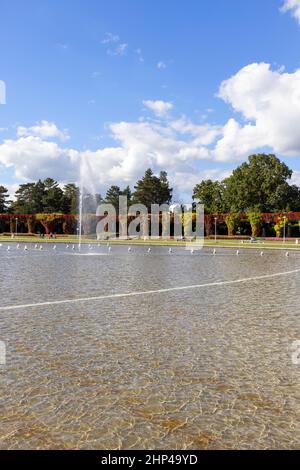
(161, 65)
(185, 181)
(12, 188)
(204, 134)
(139, 54)
(266, 104)
(120, 50)
(269, 102)
(32, 158)
(295, 178)
(160, 108)
(117, 47)
(293, 6)
(110, 38)
(43, 129)
(172, 145)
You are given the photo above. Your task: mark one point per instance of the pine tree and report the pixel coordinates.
(3, 199)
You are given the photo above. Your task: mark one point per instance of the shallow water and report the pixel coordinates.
(201, 368)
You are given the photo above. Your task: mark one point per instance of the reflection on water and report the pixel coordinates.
(207, 368)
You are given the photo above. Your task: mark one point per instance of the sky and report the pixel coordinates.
(187, 86)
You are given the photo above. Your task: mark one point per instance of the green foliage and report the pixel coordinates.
(127, 192)
(29, 198)
(52, 198)
(259, 185)
(113, 194)
(3, 199)
(70, 199)
(47, 218)
(42, 196)
(232, 221)
(255, 222)
(152, 190)
(282, 222)
(211, 194)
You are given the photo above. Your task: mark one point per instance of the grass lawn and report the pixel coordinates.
(261, 243)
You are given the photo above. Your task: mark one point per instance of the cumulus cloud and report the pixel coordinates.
(269, 103)
(293, 6)
(32, 158)
(185, 181)
(44, 129)
(203, 135)
(175, 146)
(156, 145)
(12, 188)
(296, 178)
(160, 108)
(266, 106)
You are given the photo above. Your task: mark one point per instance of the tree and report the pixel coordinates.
(53, 195)
(3, 199)
(98, 199)
(286, 197)
(112, 196)
(49, 221)
(127, 192)
(165, 192)
(152, 190)
(70, 199)
(258, 185)
(281, 225)
(40, 197)
(232, 221)
(38, 193)
(211, 194)
(29, 198)
(255, 223)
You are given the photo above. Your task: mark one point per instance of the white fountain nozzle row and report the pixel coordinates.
(91, 246)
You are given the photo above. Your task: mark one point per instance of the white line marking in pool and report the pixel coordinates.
(147, 292)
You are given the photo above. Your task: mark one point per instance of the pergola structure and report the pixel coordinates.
(68, 223)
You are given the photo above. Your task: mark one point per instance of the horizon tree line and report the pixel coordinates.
(259, 185)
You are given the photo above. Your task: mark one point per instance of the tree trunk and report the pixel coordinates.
(49, 226)
(68, 226)
(256, 229)
(30, 224)
(208, 223)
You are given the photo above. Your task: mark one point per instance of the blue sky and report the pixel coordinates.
(132, 83)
